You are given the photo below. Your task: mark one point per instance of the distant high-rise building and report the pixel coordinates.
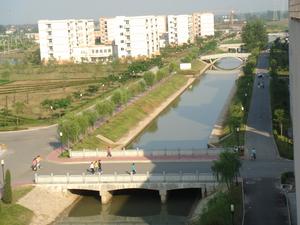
(58, 38)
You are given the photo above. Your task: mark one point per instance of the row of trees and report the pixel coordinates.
(75, 127)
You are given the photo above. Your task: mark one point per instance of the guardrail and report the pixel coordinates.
(143, 153)
(125, 178)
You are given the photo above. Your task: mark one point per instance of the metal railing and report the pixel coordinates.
(125, 178)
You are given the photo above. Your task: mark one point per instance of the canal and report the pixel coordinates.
(186, 124)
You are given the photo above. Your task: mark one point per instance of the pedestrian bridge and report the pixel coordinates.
(106, 184)
(212, 59)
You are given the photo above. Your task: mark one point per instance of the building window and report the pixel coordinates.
(49, 33)
(93, 51)
(128, 44)
(127, 21)
(121, 34)
(122, 49)
(49, 25)
(121, 26)
(109, 50)
(97, 51)
(122, 41)
(51, 55)
(105, 50)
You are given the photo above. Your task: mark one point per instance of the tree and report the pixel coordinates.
(7, 194)
(91, 117)
(105, 108)
(19, 107)
(279, 118)
(149, 78)
(227, 168)
(117, 97)
(254, 35)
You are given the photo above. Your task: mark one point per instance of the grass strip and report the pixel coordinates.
(120, 124)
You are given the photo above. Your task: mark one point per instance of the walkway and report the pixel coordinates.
(264, 202)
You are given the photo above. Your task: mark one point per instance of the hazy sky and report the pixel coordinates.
(30, 11)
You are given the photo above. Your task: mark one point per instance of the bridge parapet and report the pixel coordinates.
(225, 55)
(141, 152)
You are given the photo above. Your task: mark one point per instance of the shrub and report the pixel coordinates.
(149, 78)
(7, 194)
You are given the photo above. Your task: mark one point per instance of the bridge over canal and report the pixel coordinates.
(107, 184)
(212, 59)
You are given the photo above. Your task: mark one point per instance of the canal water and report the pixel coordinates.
(187, 123)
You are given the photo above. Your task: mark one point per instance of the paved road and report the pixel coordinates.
(23, 146)
(264, 201)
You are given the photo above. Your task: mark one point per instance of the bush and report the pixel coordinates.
(7, 194)
(105, 108)
(149, 78)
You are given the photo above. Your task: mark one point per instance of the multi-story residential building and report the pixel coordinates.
(180, 29)
(58, 38)
(203, 24)
(133, 36)
(294, 51)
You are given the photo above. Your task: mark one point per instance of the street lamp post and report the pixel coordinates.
(61, 144)
(2, 166)
(237, 136)
(232, 213)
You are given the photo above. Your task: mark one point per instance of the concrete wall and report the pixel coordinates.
(294, 31)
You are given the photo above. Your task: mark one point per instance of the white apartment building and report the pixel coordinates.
(203, 24)
(180, 29)
(133, 36)
(294, 51)
(58, 38)
(96, 53)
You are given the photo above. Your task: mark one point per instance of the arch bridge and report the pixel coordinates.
(212, 59)
(107, 184)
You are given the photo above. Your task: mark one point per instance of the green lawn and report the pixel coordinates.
(15, 214)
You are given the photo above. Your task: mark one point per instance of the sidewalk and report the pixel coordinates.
(54, 157)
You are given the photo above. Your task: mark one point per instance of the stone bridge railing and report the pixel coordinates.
(143, 153)
(106, 184)
(123, 178)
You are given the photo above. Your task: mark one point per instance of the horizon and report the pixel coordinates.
(20, 12)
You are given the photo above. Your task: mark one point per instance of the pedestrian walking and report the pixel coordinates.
(91, 168)
(99, 166)
(253, 154)
(109, 152)
(133, 168)
(95, 165)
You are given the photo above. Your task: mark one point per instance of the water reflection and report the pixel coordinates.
(129, 206)
(228, 63)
